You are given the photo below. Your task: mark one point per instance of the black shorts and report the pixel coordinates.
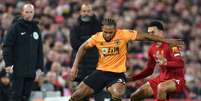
(97, 80)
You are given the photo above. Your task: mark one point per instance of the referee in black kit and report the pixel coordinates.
(23, 54)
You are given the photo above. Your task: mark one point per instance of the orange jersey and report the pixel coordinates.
(112, 55)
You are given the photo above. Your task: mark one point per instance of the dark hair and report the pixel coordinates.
(157, 24)
(109, 21)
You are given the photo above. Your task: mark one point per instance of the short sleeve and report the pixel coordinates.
(92, 40)
(176, 51)
(130, 34)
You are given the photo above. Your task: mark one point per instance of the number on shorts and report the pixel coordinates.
(177, 81)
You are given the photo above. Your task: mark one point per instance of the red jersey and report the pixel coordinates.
(172, 70)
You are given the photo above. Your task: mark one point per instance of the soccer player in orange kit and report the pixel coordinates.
(112, 46)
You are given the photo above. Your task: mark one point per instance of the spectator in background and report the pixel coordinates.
(2, 63)
(5, 86)
(86, 26)
(1, 35)
(6, 20)
(23, 53)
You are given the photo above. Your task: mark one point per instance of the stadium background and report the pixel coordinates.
(182, 19)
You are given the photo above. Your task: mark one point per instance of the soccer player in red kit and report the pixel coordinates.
(171, 77)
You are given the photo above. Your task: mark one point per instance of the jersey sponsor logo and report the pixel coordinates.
(117, 43)
(23, 33)
(158, 54)
(104, 51)
(177, 82)
(35, 35)
(109, 51)
(162, 52)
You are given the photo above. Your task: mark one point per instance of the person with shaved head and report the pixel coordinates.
(22, 52)
(87, 25)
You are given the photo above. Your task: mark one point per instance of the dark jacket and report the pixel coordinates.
(79, 34)
(5, 92)
(22, 48)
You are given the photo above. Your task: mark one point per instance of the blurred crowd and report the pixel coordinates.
(182, 19)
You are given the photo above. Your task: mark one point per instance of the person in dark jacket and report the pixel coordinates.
(22, 52)
(87, 25)
(5, 86)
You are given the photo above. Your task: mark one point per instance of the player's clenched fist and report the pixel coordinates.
(73, 73)
(162, 60)
(9, 69)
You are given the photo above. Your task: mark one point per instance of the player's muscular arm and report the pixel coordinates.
(176, 60)
(148, 69)
(146, 72)
(81, 52)
(147, 37)
(175, 64)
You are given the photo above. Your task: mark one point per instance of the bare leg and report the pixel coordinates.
(164, 88)
(141, 93)
(83, 91)
(117, 90)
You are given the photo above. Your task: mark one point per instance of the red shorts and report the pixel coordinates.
(180, 84)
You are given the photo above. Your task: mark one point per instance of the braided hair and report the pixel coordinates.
(109, 21)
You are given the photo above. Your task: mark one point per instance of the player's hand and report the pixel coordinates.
(73, 73)
(162, 60)
(39, 73)
(9, 69)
